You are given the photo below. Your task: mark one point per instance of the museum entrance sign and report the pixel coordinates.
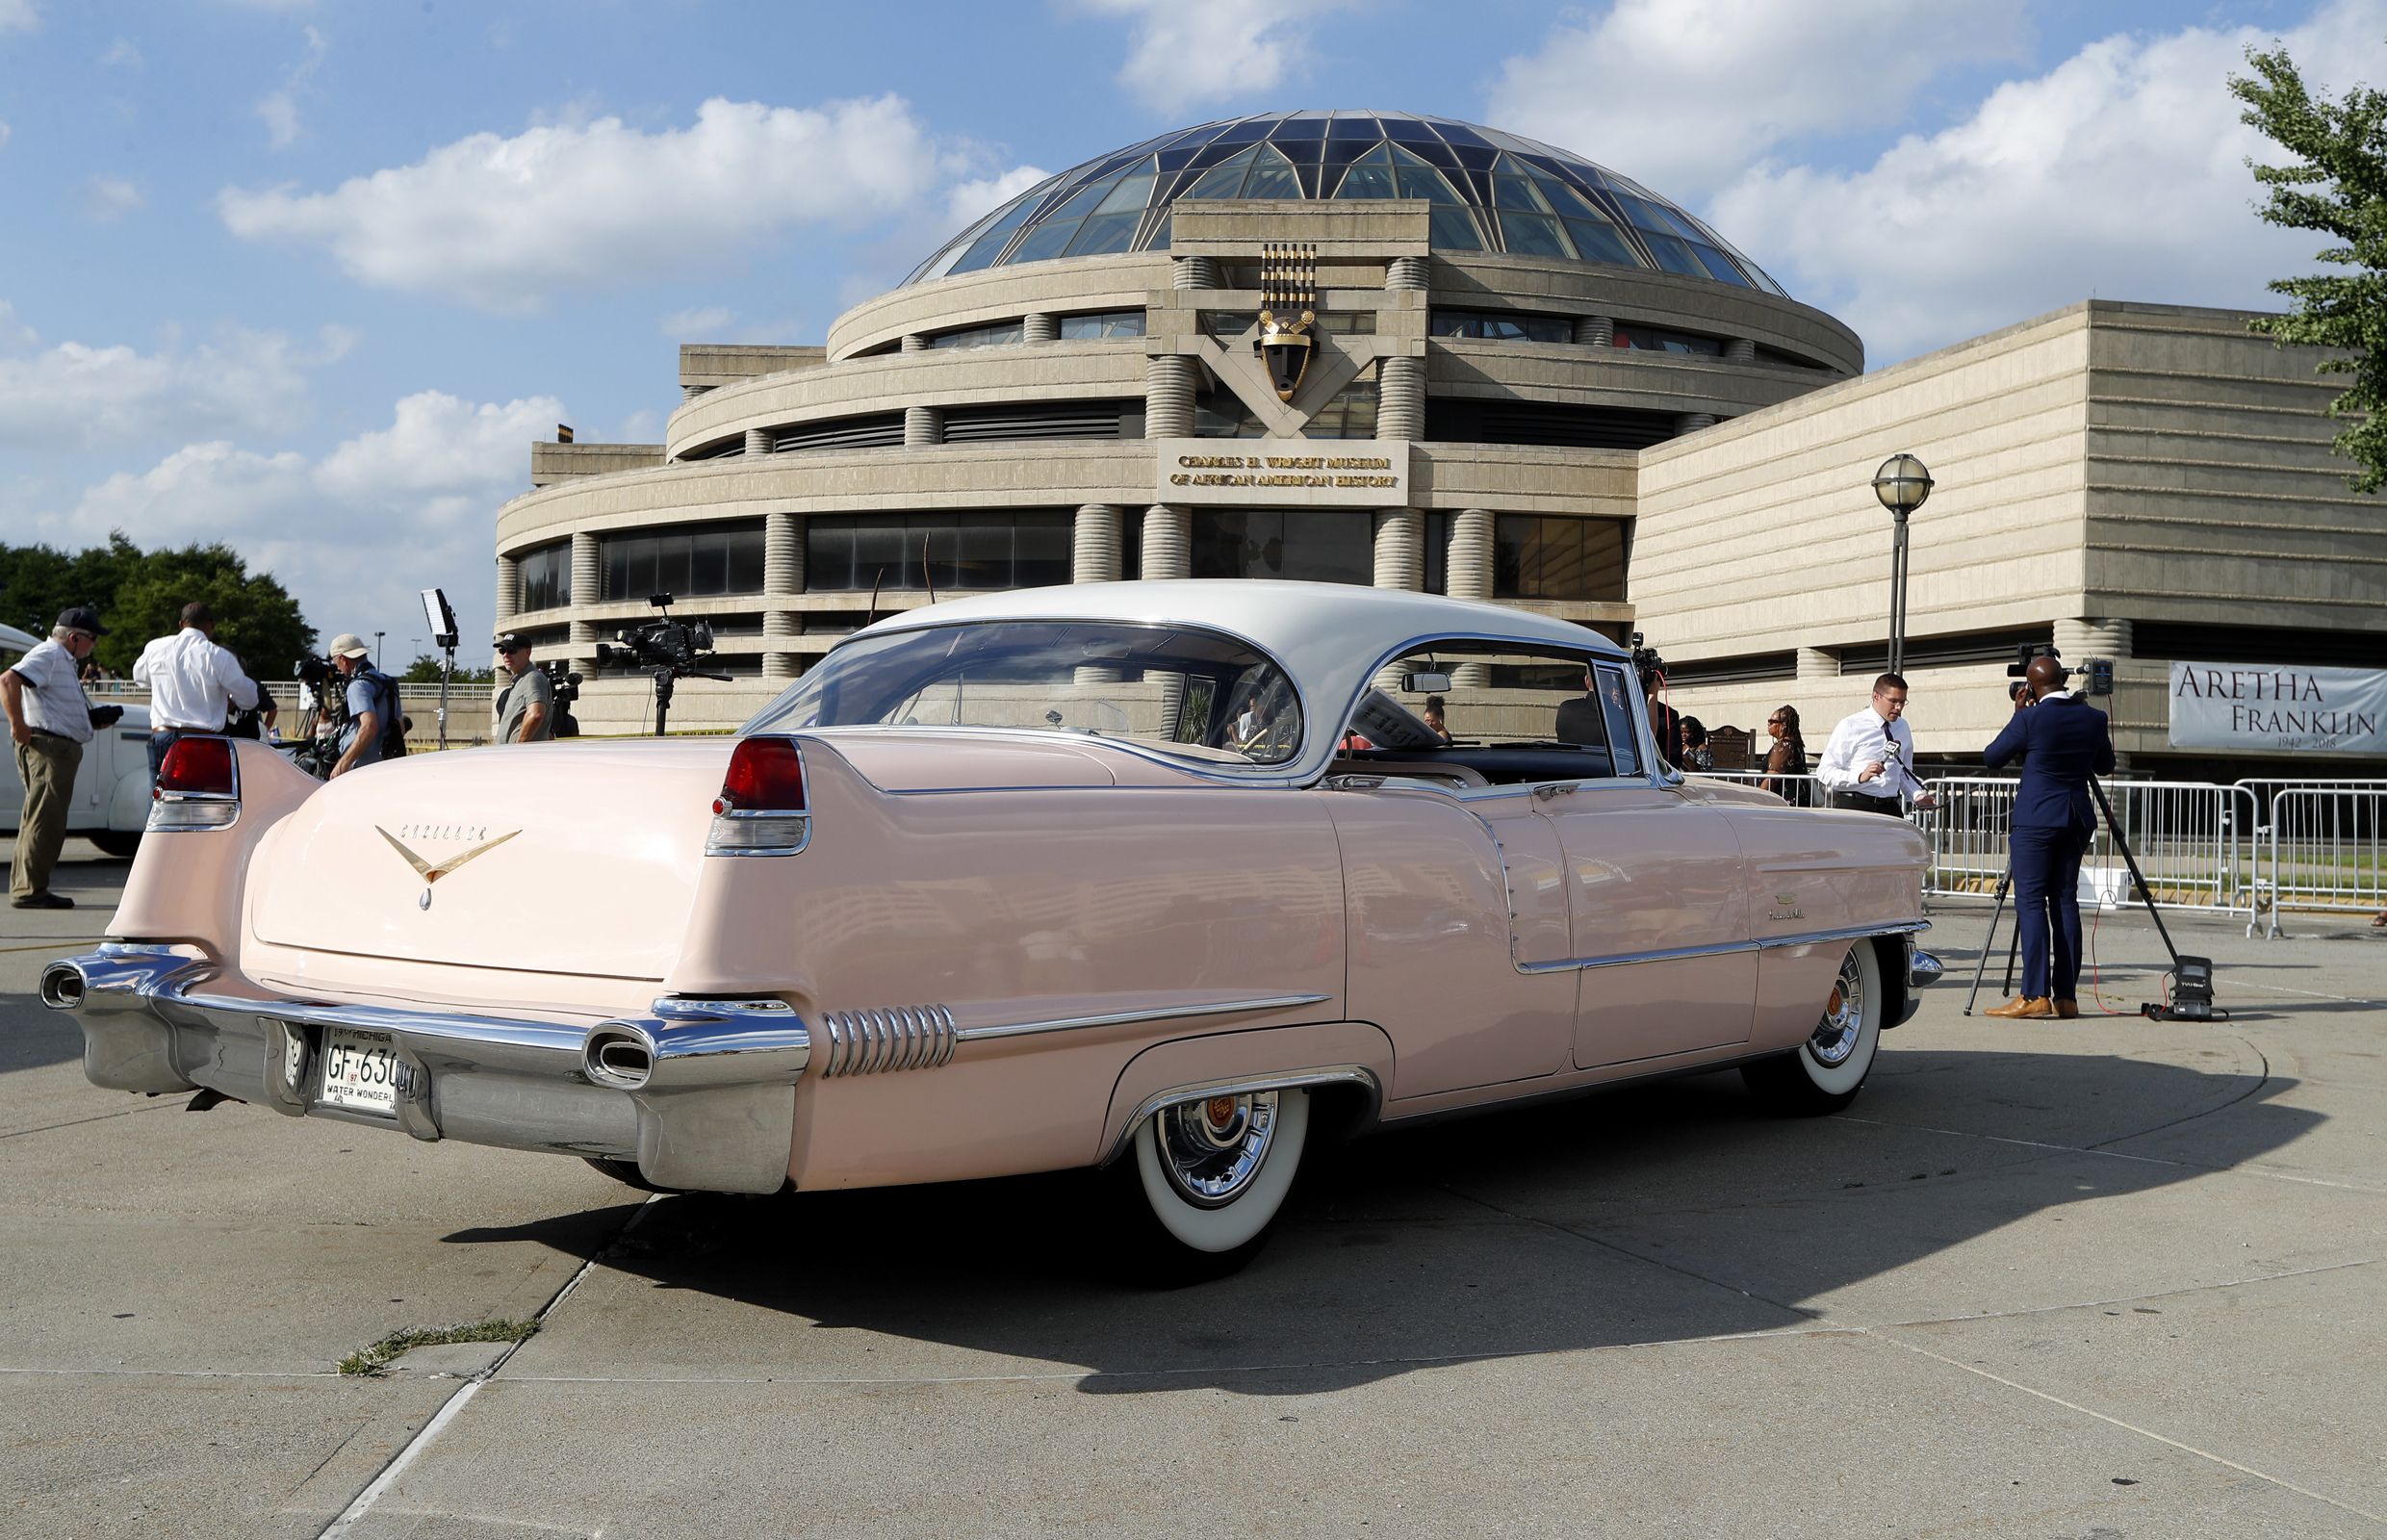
(1296, 473)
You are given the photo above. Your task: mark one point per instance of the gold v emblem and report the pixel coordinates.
(428, 871)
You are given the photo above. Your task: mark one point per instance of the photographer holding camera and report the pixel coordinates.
(2062, 740)
(527, 705)
(376, 728)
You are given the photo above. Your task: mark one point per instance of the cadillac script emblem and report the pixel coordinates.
(1288, 298)
(432, 871)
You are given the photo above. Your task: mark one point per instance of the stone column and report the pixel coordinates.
(758, 441)
(2078, 639)
(1400, 399)
(1039, 327)
(1740, 351)
(1195, 272)
(1400, 550)
(1467, 575)
(585, 592)
(915, 343)
(1693, 422)
(689, 393)
(509, 590)
(923, 425)
(1169, 396)
(782, 577)
(1405, 273)
(1167, 541)
(1095, 554)
(1595, 331)
(1815, 663)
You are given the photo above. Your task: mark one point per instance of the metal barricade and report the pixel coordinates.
(2322, 851)
(2188, 837)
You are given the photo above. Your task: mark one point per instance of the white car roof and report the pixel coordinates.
(12, 640)
(1329, 636)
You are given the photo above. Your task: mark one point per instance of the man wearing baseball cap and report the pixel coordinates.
(372, 707)
(526, 706)
(49, 722)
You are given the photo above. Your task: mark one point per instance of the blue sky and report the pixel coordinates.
(308, 277)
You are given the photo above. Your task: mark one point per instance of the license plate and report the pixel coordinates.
(363, 1072)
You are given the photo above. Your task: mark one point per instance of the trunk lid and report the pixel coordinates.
(560, 857)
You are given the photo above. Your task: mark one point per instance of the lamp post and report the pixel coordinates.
(1902, 484)
(377, 635)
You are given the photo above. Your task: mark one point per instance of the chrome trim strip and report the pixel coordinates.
(1299, 1079)
(1762, 944)
(1019, 1029)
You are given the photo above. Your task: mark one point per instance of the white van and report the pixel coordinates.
(111, 787)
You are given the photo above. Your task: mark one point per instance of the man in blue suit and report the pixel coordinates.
(2062, 741)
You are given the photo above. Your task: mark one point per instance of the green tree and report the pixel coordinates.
(140, 593)
(2335, 184)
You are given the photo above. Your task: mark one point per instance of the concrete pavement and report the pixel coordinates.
(2104, 1277)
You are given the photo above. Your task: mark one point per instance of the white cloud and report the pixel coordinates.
(967, 200)
(356, 533)
(109, 198)
(1180, 54)
(121, 54)
(1683, 94)
(499, 223)
(18, 15)
(4, 133)
(280, 109)
(76, 396)
(692, 325)
(2120, 173)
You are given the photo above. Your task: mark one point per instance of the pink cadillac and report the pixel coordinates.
(1170, 879)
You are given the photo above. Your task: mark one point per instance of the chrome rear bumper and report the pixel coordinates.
(1923, 970)
(701, 1093)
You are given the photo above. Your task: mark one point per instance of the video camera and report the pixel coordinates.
(566, 684)
(683, 646)
(312, 671)
(1647, 665)
(2026, 654)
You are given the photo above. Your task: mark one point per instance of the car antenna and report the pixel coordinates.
(877, 579)
(925, 575)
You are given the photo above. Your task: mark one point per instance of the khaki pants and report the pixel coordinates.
(47, 767)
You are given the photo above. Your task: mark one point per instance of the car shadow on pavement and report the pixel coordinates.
(1668, 1212)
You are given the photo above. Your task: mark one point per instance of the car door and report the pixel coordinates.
(1658, 897)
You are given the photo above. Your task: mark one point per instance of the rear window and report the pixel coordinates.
(1181, 688)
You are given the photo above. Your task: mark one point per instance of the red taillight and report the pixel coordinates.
(197, 767)
(761, 811)
(199, 786)
(766, 774)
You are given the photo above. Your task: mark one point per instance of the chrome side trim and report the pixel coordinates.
(1021, 1029)
(904, 1037)
(1762, 944)
(1299, 1079)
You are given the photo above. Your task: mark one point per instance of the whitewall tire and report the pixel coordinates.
(1824, 1073)
(1213, 1174)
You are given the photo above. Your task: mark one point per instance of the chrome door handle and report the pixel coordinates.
(1545, 793)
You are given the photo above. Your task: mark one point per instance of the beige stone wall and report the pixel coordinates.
(709, 366)
(550, 463)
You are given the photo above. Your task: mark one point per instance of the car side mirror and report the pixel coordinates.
(1425, 683)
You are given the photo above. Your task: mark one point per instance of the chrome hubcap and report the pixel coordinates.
(1843, 1016)
(1213, 1148)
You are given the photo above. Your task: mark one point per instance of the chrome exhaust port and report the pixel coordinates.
(63, 987)
(618, 1055)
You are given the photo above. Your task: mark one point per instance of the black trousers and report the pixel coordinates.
(1859, 802)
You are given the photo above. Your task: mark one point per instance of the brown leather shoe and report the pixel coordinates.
(2068, 1010)
(2025, 1008)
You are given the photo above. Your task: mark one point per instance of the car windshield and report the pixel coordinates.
(1178, 687)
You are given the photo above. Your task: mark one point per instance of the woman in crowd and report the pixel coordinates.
(1786, 760)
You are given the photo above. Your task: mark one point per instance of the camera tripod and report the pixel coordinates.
(2192, 977)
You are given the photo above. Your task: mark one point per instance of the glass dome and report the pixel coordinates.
(1491, 191)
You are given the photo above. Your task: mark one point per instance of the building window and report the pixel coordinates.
(1502, 325)
(1322, 548)
(1659, 339)
(1351, 415)
(694, 563)
(546, 576)
(1096, 325)
(944, 550)
(1534, 557)
(1222, 415)
(996, 335)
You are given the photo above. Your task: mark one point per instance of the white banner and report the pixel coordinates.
(2270, 711)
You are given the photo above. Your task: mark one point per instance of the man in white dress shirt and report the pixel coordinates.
(193, 682)
(1869, 764)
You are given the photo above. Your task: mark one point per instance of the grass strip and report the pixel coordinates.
(371, 1363)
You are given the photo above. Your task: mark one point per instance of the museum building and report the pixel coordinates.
(1378, 347)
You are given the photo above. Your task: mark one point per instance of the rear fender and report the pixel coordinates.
(1344, 1054)
(186, 885)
